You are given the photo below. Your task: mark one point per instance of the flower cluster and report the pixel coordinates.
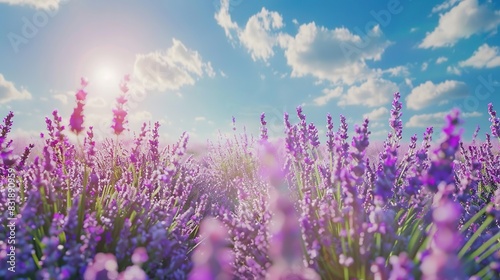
(289, 208)
(82, 214)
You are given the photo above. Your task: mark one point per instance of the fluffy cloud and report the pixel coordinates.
(377, 114)
(372, 93)
(257, 36)
(63, 98)
(428, 93)
(96, 102)
(170, 70)
(444, 6)
(398, 71)
(441, 59)
(484, 57)
(38, 4)
(462, 21)
(453, 70)
(434, 119)
(328, 94)
(9, 92)
(140, 117)
(336, 55)
(424, 66)
(223, 18)
(379, 132)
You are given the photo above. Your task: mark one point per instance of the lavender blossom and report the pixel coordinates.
(495, 121)
(263, 128)
(77, 118)
(119, 112)
(441, 169)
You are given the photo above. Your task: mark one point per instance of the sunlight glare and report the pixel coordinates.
(106, 75)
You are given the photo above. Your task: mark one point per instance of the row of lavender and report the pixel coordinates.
(252, 209)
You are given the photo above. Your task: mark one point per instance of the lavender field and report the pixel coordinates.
(259, 140)
(295, 207)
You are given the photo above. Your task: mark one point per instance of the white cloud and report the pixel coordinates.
(408, 82)
(428, 93)
(9, 92)
(257, 36)
(96, 102)
(23, 138)
(441, 59)
(444, 6)
(434, 119)
(462, 21)
(425, 120)
(372, 93)
(472, 115)
(377, 114)
(398, 71)
(378, 133)
(37, 4)
(223, 18)
(63, 98)
(138, 118)
(336, 55)
(484, 57)
(424, 66)
(413, 29)
(453, 70)
(170, 70)
(200, 119)
(376, 124)
(328, 94)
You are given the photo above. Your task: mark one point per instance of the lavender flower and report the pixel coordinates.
(313, 136)
(77, 118)
(119, 112)
(495, 121)
(263, 128)
(7, 158)
(441, 169)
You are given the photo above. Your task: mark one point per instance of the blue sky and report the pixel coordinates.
(195, 64)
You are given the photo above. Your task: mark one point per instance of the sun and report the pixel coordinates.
(106, 75)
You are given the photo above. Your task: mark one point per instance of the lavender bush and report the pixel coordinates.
(291, 208)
